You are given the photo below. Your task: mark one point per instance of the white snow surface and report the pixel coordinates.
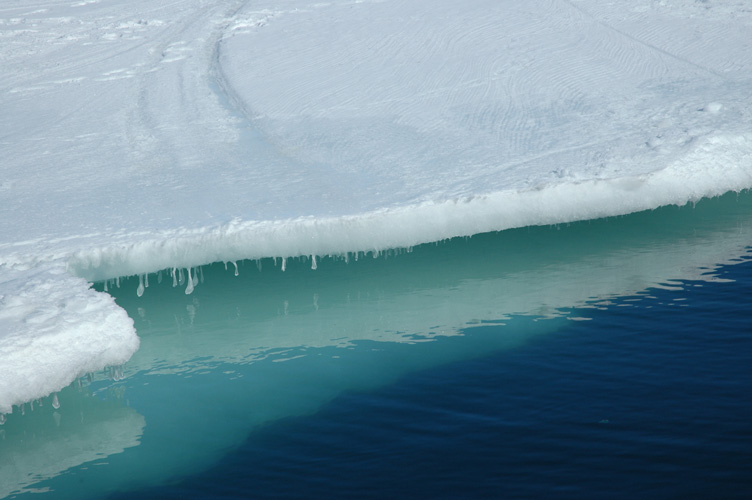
(139, 135)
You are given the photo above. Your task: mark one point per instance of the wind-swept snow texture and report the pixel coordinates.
(140, 135)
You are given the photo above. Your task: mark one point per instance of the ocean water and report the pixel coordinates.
(602, 359)
(652, 398)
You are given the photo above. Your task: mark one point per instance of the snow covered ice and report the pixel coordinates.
(138, 136)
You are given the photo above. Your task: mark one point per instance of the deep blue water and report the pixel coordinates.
(651, 398)
(603, 359)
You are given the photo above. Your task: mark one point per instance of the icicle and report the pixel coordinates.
(189, 288)
(116, 373)
(140, 289)
(23, 409)
(314, 265)
(195, 277)
(117, 281)
(181, 277)
(146, 280)
(347, 257)
(2, 418)
(258, 265)
(31, 405)
(236, 267)
(201, 273)
(105, 285)
(55, 401)
(159, 277)
(225, 265)
(284, 264)
(174, 277)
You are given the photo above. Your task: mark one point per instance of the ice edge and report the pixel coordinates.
(720, 165)
(60, 294)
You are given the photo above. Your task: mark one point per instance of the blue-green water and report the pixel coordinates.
(650, 399)
(603, 359)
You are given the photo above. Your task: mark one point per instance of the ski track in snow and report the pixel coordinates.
(140, 136)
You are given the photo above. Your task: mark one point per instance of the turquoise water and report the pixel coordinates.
(514, 350)
(618, 407)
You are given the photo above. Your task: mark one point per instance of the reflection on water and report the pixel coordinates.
(46, 441)
(241, 351)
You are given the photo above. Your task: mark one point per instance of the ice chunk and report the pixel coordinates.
(60, 323)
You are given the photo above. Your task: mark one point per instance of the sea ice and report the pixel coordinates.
(138, 136)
